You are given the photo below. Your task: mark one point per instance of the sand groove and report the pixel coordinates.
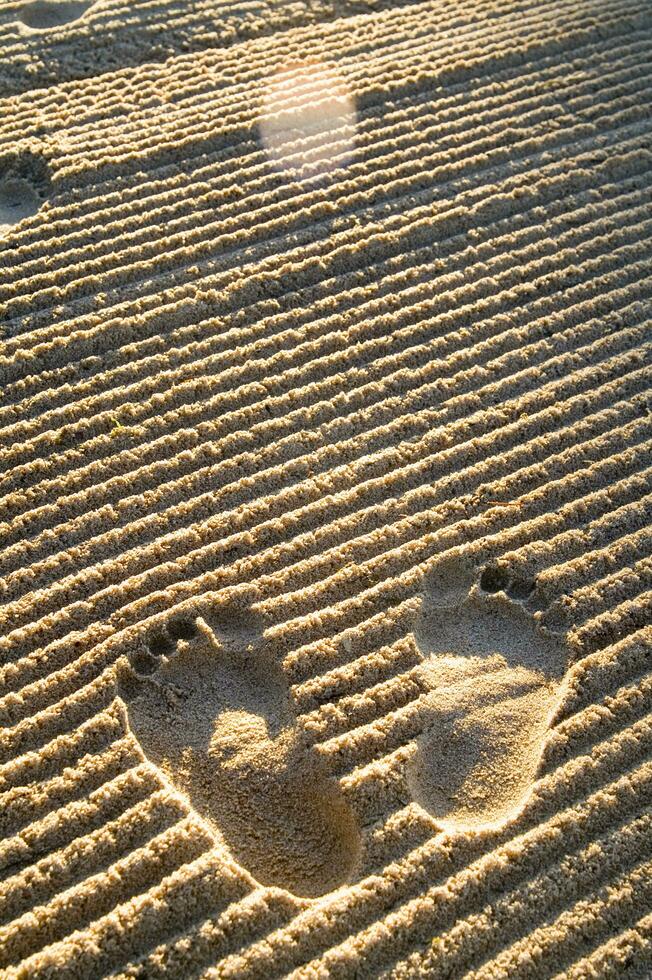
(325, 489)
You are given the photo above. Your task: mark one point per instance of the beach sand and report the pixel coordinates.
(325, 489)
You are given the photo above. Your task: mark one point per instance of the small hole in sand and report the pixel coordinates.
(143, 662)
(493, 579)
(182, 629)
(42, 15)
(520, 588)
(160, 644)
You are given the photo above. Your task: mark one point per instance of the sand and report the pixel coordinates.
(325, 489)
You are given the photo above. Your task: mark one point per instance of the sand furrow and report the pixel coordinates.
(279, 952)
(409, 175)
(630, 950)
(295, 564)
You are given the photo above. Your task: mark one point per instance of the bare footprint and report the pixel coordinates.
(213, 711)
(492, 672)
(42, 15)
(24, 186)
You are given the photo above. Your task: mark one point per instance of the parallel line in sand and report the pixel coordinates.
(368, 401)
(156, 191)
(632, 950)
(393, 39)
(524, 426)
(156, 73)
(18, 554)
(633, 803)
(388, 277)
(79, 337)
(360, 172)
(582, 927)
(86, 665)
(381, 522)
(446, 320)
(323, 333)
(348, 242)
(370, 28)
(396, 67)
(577, 730)
(573, 877)
(604, 670)
(86, 855)
(487, 345)
(178, 955)
(537, 833)
(203, 96)
(213, 939)
(306, 245)
(162, 198)
(562, 575)
(30, 797)
(86, 901)
(594, 870)
(359, 906)
(62, 825)
(95, 734)
(367, 106)
(198, 885)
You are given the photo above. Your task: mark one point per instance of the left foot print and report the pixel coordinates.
(213, 711)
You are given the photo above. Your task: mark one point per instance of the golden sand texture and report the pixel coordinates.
(325, 490)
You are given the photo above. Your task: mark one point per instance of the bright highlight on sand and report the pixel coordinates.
(308, 120)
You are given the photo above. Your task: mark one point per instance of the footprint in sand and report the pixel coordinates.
(24, 186)
(492, 674)
(212, 710)
(42, 15)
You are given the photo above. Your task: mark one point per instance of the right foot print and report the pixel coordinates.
(493, 672)
(214, 713)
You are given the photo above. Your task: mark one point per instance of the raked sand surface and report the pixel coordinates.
(325, 489)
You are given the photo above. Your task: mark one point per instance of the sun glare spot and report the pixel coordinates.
(308, 120)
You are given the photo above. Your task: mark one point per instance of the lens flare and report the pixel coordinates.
(308, 120)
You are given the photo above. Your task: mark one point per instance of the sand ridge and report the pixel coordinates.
(325, 431)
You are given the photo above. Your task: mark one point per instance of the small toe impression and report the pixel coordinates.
(143, 662)
(493, 578)
(182, 629)
(160, 644)
(520, 588)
